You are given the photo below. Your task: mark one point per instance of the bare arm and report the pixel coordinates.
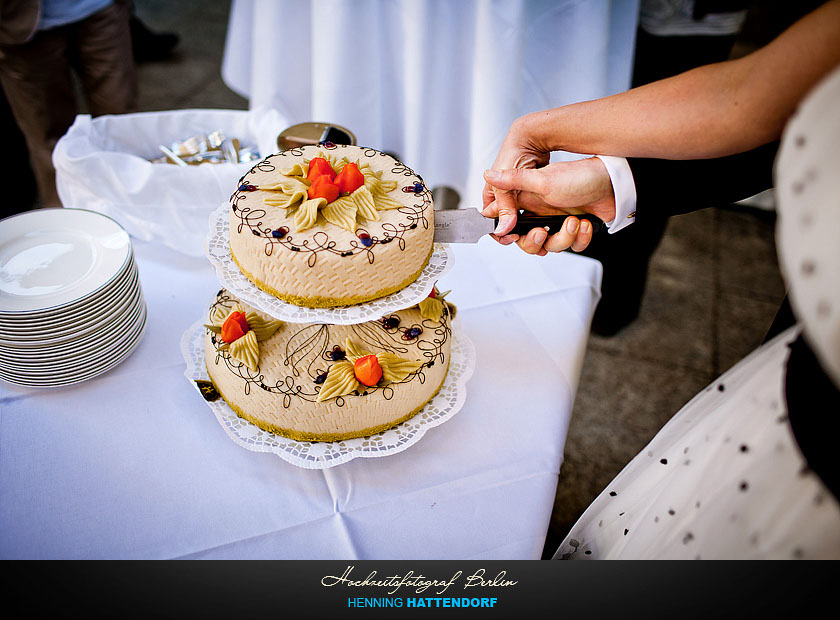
(711, 111)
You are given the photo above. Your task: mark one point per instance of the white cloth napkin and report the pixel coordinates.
(103, 164)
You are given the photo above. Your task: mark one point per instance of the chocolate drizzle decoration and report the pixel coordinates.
(310, 352)
(252, 218)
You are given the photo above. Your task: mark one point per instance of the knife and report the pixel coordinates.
(468, 225)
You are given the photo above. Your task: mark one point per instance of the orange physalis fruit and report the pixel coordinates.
(367, 370)
(320, 167)
(322, 187)
(349, 179)
(234, 327)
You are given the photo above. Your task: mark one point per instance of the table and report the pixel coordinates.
(434, 81)
(133, 464)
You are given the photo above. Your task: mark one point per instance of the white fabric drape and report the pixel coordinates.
(134, 465)
(437, 82)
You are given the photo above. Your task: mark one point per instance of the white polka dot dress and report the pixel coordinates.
(723, 479)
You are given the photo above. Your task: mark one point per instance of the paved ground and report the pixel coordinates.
(713, 291)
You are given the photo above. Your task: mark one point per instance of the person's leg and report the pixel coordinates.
(150, 46)
(625, 255)
(38, 85)
(100, 53)
(16, 175)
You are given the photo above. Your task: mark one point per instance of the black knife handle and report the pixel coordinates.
(526, 222)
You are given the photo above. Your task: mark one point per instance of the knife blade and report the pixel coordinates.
(468, 225)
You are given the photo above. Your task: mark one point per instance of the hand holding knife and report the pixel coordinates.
(469, 225)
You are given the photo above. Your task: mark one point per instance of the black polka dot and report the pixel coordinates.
(823, 308)
(663, 461)
(671, 511)
(744, 448)
(688, 538)
(721, 387)
(744, 485)
(587, 552)
(799, 141)
(625, 532)
(613, 493)
(620, 514)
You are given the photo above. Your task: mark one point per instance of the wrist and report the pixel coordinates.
(601, 201)
(531, 132)
(623, 191)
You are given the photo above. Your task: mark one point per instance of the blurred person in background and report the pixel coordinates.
(45, 47)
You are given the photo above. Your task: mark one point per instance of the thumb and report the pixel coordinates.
(516, 179)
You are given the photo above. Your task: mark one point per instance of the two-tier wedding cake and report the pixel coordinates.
(325, 226)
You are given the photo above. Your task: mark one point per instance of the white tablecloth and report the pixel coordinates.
(133, 464)
(438, 82)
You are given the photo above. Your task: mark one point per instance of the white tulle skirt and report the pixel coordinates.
(723, 479)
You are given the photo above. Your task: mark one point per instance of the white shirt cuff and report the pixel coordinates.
(624, 189)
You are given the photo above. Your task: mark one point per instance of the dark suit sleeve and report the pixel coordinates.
(667, 187)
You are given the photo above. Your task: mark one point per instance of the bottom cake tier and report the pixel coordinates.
(321, 382)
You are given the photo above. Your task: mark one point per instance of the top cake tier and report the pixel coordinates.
(329, 225)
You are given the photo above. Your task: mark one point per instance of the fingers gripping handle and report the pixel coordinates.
(526, 222)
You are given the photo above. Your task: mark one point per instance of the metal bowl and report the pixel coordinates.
(303, 134)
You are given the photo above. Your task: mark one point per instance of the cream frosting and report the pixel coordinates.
(308, 251)
(304, 386)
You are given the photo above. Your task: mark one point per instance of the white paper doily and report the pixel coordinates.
(322, 455)
(232, 279)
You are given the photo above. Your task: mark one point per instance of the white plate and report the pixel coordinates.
(75, 361)
(109, 332)
(96, 321)
(53, 257)
(79, 372)
(33, 321)
(62, 375)
(79, 378)
(322, 455)
(81, 324)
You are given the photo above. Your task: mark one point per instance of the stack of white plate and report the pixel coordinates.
(71, 306)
